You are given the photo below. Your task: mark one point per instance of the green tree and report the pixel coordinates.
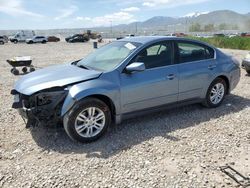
(247, 24)
(195, 27)
(235, 27)
(209, 27)
(223, 26)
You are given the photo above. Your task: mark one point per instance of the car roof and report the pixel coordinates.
(148, 39)
(145, 39)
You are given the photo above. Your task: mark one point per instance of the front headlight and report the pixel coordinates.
(43, 99)
(46, 98)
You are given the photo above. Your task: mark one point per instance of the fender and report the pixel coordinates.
(100, 86)
(204, 92)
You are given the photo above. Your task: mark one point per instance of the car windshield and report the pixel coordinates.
(109, 56)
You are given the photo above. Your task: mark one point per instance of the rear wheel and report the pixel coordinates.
(44, 41)
(24, 69)
(87, 120)
(216, 93)
(15, 41)
(15, 71)
(32, 69)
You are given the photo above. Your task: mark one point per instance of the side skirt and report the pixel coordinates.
(120, 118)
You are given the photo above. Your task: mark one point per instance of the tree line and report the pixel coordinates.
(196, 27)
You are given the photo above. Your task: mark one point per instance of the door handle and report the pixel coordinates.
(211, 67)
(170, 76)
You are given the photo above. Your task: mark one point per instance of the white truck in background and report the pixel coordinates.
(21, 36)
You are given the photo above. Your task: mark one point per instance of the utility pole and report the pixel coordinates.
(135, 27)
(111, 26)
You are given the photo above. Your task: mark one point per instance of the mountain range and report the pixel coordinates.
(204, 18)
(161, 25)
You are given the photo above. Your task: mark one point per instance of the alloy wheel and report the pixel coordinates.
(90, 122)
(217, 93)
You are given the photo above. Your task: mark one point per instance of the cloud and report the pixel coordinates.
(80, 18)
(148, 4)
(114, 18)
(170, 3)
(65, 13)
(15, 8)
(195, 14)
(130, 9)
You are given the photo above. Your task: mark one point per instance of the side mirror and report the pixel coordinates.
(135, 67)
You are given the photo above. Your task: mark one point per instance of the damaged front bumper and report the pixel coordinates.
(43, 107)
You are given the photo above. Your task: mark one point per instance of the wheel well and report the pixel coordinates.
(108, 102)
(226, 80)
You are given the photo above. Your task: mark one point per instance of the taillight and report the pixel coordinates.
(236, 62)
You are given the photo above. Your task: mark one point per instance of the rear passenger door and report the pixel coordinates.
(196, 64)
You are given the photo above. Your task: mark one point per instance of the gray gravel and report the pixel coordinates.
(182, 147)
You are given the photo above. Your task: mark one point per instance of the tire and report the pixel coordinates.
(15, 41)
(24, 69)
(2, 42)
(43, 42)
(215, 93)
(80, 117)
(32, 69)
(12, 70)
(248, 72)
(15, 72)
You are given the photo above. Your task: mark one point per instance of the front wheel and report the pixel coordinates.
(215, 93)
(87, 120)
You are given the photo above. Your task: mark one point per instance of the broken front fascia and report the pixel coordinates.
(42, 107)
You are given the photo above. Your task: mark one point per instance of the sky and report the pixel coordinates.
(54, 14)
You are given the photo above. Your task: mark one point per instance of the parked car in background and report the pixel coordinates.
(127, 36)
(125, 78)
(246, 63)
(37, 39)
(2, 40)
(232, 35)
(53, 39)
(70, 37)
(77, 38)
(179, 34)
(5, 38)
(245, 34)
(21, 36)
(219, 35)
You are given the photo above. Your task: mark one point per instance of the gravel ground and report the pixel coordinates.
(182, 147)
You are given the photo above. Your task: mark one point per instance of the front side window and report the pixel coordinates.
(109, 56)
(189, 52)
(156, 55)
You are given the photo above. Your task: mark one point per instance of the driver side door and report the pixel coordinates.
(155, 86)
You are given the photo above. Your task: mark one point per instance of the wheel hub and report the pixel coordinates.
(90, 122)
(217, 93)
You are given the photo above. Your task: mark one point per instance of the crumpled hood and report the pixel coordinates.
(53, 76)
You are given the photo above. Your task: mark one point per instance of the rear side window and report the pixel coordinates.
(189, 52)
